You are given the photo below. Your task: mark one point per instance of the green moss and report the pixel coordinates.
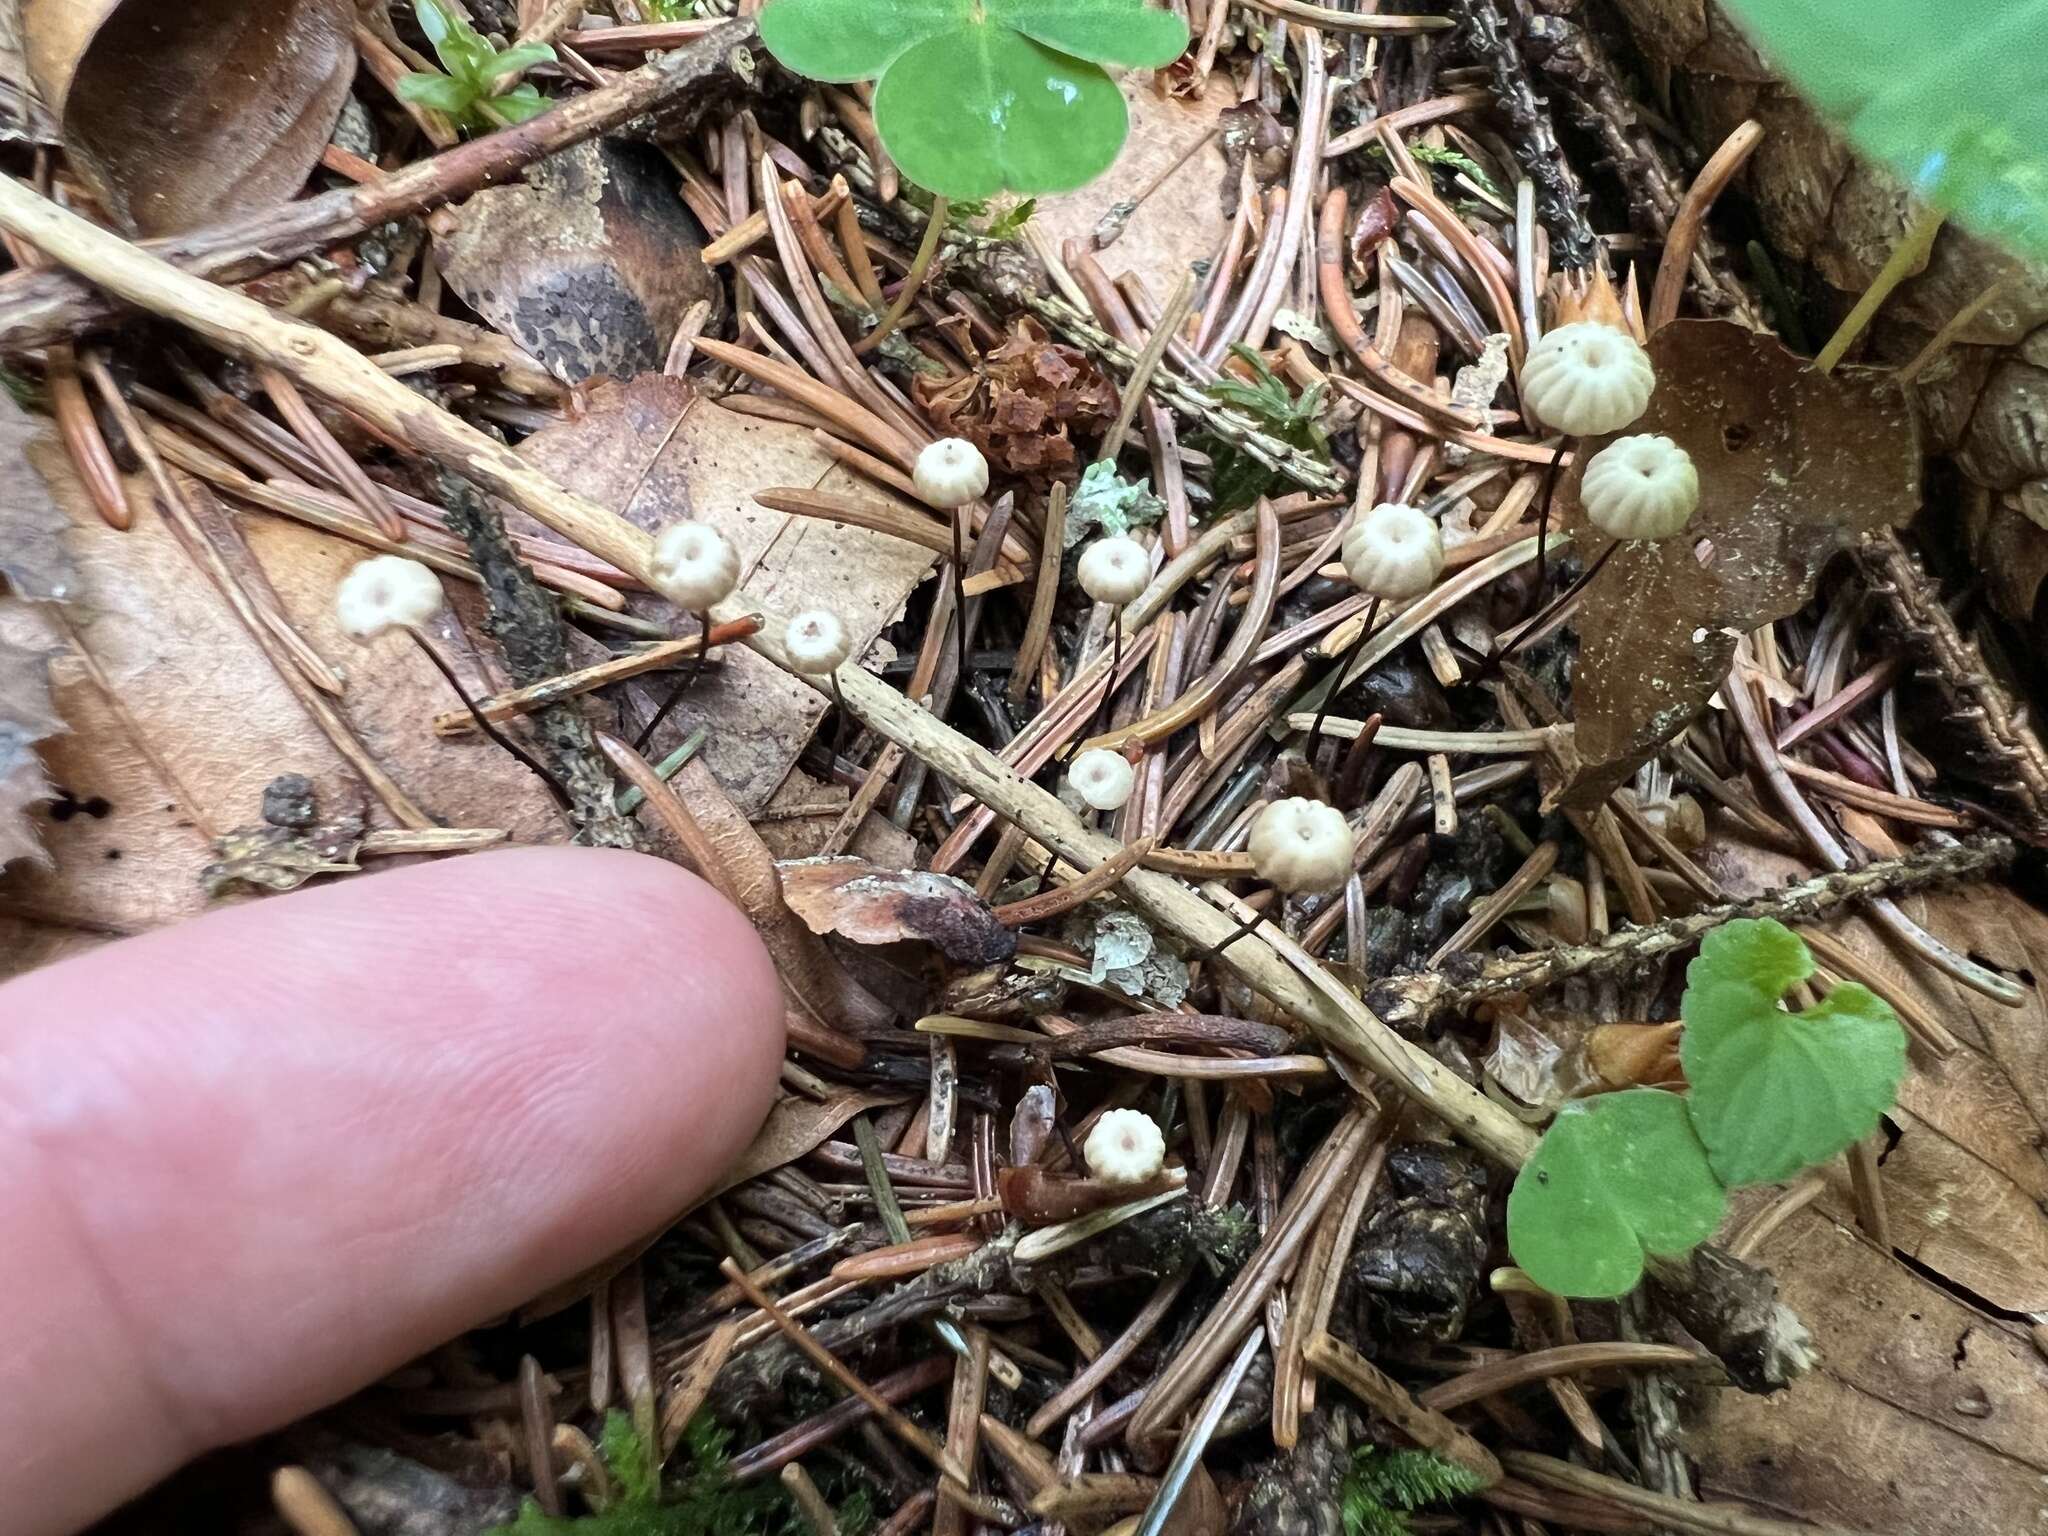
(1383, 1486)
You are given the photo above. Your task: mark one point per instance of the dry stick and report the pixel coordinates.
(1349, 21)
(552, 690)
(1676, 262)
(306, 1506)
(1678, 1514)
(329, 366)
(41, 307)
(1188, 1454)
(1907, 257)
(1147, 364)
(1387, 1397)
(833, 1366)
(1044, 595)
(334, 458)
(1564, 1359)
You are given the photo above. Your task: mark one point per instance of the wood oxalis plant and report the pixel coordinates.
(976, 97)
(1643, 1172)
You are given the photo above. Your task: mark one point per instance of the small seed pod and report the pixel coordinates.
(1102, 778)
(1300, 846)
(386, 592)
(1114, 570)
(1641, 487)
(694, 566)
(950, 473)
(1125, 1147)
(1394, 552)
(816, 642)
(1586, 378)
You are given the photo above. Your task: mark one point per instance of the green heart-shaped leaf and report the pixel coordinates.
(1616, 1177)
(1774, 1092)
(976, 97)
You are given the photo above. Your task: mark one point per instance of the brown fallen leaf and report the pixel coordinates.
(1925, 1416)
(655, 450)
(178, 114)
(177, 720)
(589, 264)
(1024, 402)
(796, 1127)
(1793, 466)
(858, 901)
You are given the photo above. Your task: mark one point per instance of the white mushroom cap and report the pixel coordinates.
(386, 592)
(694, 565)
(816, 641)
(1641, 487)
(1114, 570)
(1587, 378)
(950, 473)
(1301, 845)
(1124, 1146)
(1102, 778)
(1394, 551)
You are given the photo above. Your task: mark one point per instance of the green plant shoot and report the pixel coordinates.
(1948, 96)
(1623, 1176)
(1774, 1092)
(976, 97)
(1238, 479)
(468, 93)
(1381, 1487)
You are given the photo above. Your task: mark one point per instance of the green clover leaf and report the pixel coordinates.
(1772, 1091)
(1616, 1177)
(976, 97)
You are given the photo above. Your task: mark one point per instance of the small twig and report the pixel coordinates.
(810, 1503)
(1677, 1514)
(1673, 266)
(1906, 258)
(1411, 999)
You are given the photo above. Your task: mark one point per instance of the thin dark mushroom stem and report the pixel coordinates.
(1315, 732)
(1531, 627)
(441, 664)
(682, 686)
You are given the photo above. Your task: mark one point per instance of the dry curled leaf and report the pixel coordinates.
(1022, 405)
(857, 901)
(1635, 1055)
(589, 264)
(795, 1127)
(178, 114)
(1793, 466)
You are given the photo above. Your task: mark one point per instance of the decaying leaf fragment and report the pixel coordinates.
(276, 858)
(869, 905)
(1793, 466)
(589, 264)
(26, 717)
(1021, 408)
(178, 114)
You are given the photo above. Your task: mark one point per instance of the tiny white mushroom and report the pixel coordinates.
(1641, 487)
(1300, 846)
(386, 592)
(950, 473)
(816, 641)
(1124, 1147)
(1586, 378)
(694, 566)
(1114, 570)
(1102, 778)
(1394, 551)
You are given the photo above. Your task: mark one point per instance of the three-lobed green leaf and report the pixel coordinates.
(1617, 1177)
(1775, 1091)
(1949, 96)
(975, 97)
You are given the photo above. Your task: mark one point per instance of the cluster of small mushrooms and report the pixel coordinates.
(1582, 379)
